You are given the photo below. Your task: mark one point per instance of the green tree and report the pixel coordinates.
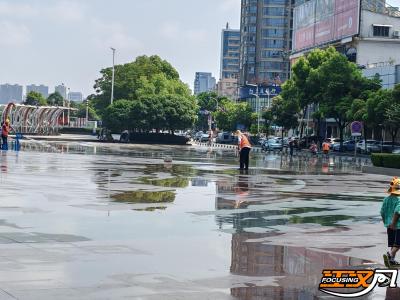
(55, 99)
(180, 112)
(285, 113)
(81, 112)
(35, 98)
(146, 76)
(268, 121)
(230, 115)
(327, 79)
(393, 120)
(117, 115)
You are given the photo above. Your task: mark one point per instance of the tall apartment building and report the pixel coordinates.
(204, 82)
(265, 28)
(229, 69)
(10, 93)
(42, 89)
(62, 90)
(75, 96)
(230, 53)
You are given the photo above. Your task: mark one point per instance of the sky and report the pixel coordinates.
(68, 41)
(58, 41)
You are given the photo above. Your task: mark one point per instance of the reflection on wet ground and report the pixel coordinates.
(91, 221)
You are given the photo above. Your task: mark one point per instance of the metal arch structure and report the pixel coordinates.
(28, 119)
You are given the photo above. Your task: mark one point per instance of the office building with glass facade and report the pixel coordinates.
(266, 27)
(230, 53)
(203, 82)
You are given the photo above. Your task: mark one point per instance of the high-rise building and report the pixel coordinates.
(62, 90)
(75, 96)
(265, 28)
(10, 93)
(230, 53)
(229, 69)
(204, 82)
(42, 89)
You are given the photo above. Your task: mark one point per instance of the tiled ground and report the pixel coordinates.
(90, 221)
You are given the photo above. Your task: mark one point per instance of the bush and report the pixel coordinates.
(157, 138)
(386, 160)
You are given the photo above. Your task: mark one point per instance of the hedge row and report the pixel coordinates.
(386, 160)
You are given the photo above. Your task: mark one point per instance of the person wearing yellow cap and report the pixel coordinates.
(390, 213)
(5, 130)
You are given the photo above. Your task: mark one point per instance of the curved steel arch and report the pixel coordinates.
(30, 119)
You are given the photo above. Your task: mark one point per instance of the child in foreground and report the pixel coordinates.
(390, 213)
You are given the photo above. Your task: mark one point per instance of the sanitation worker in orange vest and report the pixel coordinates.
(326, 147)
(244, 150)
(5, 129)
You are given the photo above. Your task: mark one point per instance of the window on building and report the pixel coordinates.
(381, 31)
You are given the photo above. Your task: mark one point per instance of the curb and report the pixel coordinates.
(381, 171)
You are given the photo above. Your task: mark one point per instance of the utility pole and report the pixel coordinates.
(113, 75)
(257, 105)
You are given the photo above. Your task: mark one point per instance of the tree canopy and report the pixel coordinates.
(148, 94)
(55, 99)
(35, 98)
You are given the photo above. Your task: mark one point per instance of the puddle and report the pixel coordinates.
(177, 182)
(297, 269)
(152, 208)
(144, 197)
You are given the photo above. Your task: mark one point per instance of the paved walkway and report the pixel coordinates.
(95, 221)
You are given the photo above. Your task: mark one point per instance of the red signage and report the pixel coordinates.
(317, 22)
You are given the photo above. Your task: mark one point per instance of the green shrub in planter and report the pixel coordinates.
(386, 160)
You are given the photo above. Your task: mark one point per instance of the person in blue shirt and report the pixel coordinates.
(390, 213)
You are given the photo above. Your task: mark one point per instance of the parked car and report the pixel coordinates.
(387, 146)
(334, 141)
(272, 144)
(225, 138)
(198, 135)
(205, 137)
(396, 151)
(347, 146)
(372, 146)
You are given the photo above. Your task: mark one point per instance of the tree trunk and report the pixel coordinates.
(302, 123)
(393, 133)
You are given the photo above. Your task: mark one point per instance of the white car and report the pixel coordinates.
(372, 146)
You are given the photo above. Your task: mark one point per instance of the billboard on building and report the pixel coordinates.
(317, 22)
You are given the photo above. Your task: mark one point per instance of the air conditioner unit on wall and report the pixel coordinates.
(396, 34)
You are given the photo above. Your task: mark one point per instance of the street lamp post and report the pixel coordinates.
(257, 95)
(113, 75)
(87, 110)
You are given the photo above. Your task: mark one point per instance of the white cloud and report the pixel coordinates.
(17, 9)
(228, 5)
(175, 31)
(105, 35)
(66, 11)
(13, 34)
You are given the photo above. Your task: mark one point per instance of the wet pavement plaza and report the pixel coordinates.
(93, 221)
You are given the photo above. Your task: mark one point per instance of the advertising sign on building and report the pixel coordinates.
(263, 91)
(318, 22)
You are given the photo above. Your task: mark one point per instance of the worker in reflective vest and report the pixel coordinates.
(326, 147)
(244, 150)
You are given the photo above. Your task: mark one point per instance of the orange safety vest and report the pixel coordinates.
(325, 147)
(244, 142)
